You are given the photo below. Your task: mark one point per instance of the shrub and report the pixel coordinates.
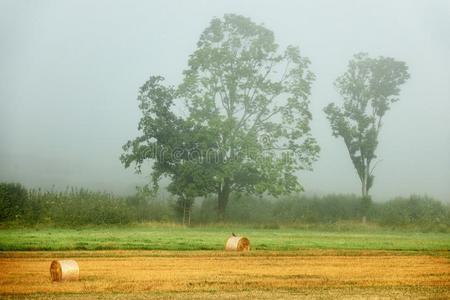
(418, 211)
(76, 207)
(13, 197)
(327, 209)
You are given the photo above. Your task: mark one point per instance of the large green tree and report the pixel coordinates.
(246, 116)
(368, 88)
(172, 143)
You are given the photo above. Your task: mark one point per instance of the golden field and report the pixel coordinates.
(218, 274)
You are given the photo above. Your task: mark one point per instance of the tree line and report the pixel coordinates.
(75, 207)
(239, 121)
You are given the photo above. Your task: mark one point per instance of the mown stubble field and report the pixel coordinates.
(222, 275)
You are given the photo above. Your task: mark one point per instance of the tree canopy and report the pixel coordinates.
(245, 125)
(368, 88)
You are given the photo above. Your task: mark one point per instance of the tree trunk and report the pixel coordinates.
(364, 181)
(365, 193)
(223, 196)
(189, 217)
(184, 212)
(363, 188)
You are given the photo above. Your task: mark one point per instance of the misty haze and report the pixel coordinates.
(70, 76)
(299, 128)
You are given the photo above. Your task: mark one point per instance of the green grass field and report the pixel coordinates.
(165, 237)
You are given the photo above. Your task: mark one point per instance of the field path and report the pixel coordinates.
(216, 273)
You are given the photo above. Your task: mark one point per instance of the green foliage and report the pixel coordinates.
(75, 207)
(242, 209)
(368, 89)
(80, 207)
(13, 197)
(419, 213)
(327, 209)
(415, 211)
(246, 127)
(144, 208)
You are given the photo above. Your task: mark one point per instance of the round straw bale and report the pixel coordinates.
(237, 243)
(64, 270)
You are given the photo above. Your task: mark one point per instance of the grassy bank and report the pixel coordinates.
(166, 237)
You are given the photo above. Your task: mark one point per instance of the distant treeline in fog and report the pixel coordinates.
(76, 206)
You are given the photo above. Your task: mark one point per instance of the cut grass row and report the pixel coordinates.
(212, 238)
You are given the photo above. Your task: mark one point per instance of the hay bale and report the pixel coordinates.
(64, 270)
(237, 243)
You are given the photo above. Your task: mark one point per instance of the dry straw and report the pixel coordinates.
(237, 243)
(64, 270)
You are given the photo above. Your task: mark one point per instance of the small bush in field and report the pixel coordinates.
(420, 211)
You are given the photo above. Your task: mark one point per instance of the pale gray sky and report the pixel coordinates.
(70, 71)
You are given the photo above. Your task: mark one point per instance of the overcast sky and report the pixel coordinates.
(70, 71)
